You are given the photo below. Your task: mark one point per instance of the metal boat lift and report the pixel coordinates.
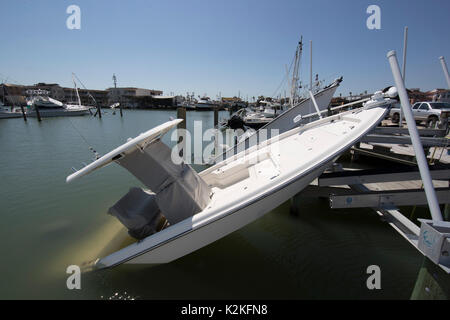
(432, 239)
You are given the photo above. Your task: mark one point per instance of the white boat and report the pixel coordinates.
(205, 103)
(271, 110)
(202, 208)
(256, 120)
(49, 107)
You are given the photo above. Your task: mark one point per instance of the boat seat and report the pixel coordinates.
(234, 172)
(179, 191)
(139, 212)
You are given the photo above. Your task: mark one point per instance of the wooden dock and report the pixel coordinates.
(392, 143)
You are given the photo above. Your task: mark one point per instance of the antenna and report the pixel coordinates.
(115, 80)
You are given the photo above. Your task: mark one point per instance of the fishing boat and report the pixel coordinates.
(180, 211)
(285, 121)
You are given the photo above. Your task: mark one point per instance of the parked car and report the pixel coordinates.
(430, 112)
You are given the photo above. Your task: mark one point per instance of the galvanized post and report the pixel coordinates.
(415, 139)
(444, 67)
(405, 45)
(310, 72)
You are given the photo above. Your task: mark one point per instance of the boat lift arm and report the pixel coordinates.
(415, 139)
(444, 67)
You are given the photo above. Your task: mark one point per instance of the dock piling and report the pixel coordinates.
(216, 130)
(181, 127)
(99, 111)
(216, 116)
(23, 113)
(37, 112)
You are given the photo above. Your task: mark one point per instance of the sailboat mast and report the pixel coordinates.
(295, 76)
(76, 89)
(293, 79)
(297, 67)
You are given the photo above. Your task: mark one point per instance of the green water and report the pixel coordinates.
(48, 225)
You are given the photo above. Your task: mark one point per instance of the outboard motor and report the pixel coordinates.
(236, 122)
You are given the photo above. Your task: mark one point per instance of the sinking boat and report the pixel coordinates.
(183, 211)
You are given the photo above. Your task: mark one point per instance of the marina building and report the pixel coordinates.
(130, 97)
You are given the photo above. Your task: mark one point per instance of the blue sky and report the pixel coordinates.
(220, 46)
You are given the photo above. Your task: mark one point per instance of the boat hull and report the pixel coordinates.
(255, 124)
(204, 235)
(204, 106)
(285, 121)
(9, 115)
(58, 113)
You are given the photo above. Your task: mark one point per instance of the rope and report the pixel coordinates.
(84, 139)
(284, 78)
(85, 88)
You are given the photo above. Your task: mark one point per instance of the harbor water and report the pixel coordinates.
(48, 225)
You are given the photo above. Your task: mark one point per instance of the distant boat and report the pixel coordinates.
(188, 105)
(205, 103)
(256, 120)
(271, 109)
(9, 112)
(49, 107)
(184, 211)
